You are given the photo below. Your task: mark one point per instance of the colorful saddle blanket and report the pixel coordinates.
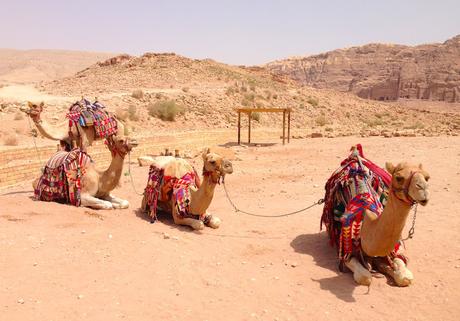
(61, 178)
(357, 185)
(94, 114)
(164, 188)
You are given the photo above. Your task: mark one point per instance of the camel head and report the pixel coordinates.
(215, 165)
(409, 182)
(34, 110)
(121, 145)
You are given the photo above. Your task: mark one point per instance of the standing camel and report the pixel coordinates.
(73, 132)
(72, 178)
(174, 186)
(365, 211)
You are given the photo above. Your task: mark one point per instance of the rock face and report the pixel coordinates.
(381, 71)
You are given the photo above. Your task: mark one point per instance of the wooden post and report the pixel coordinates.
(284, 125)
(239, 128)
(249, 129)
(289, 124)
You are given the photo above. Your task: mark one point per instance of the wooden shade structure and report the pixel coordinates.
(249, 112)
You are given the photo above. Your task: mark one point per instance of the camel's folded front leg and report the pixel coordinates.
(93, 202)
(361, 275)
(212, 221)
(116, 202)
(398, 272)
(193, 223)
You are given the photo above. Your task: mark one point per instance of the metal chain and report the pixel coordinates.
(319, 202)
(131, 176)
(33, 139)
(411, 232)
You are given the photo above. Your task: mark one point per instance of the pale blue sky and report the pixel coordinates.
(236, 32)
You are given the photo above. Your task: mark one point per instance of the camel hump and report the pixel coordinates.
(173, 167)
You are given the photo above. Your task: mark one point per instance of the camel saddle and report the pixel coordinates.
(357, 185)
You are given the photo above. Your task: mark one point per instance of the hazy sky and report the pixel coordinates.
(236, 32)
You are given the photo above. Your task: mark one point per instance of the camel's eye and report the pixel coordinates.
(400, 179)
(212, 162)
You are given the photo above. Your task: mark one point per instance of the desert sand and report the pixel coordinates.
(59, 262)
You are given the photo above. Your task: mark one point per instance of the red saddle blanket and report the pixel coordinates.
(357, 185)
(61, 178)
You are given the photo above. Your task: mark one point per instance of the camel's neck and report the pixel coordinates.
(109, 179)
(201, 198)
(51, 132)
(379, 236)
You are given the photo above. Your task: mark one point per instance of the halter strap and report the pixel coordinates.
(209, 174)
(405, 189)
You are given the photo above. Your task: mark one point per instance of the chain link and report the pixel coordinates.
(319, 202)
(411, 232)
(131, 176)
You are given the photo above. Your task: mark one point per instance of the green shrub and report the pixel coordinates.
(165, 110)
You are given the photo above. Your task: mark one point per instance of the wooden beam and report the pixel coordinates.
(284, 126)
(263, 110)
(249, 129)
(289, 125)
(239, 128)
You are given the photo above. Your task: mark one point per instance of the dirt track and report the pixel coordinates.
(64, 263)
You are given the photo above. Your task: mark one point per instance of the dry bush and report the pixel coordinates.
(321, 120)
(252, 87)
(165, 110)
(132, 113)
(10, 141)
(275, 96)
(231, 90)
(18, 116)
(255, 116)
(313, 101)
(185, 89)
(259, 104)
(121, 114)
(138, 94)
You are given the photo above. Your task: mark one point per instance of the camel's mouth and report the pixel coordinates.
(423, 202)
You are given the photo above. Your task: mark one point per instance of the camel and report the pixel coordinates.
(84, 135)
(174, 187)
(72, 177)
(373, 207)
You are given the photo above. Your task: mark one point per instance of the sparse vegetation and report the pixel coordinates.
(18, 116)
(313, 101)
(132, 113)
(121, 114)
(138, 94)
(165, 110)
(185, 89)
(321, 120)
(255, 116)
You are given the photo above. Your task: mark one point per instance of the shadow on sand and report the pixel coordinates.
(316, 245)
(164, 218)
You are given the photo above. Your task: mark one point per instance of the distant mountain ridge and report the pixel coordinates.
(31, 66)
(382, 71)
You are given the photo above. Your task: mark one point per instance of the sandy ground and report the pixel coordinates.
(64, 263)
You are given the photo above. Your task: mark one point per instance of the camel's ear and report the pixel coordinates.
(42, 104)
(420, 166)
(206, 151)
(390, 167)
(30, 104)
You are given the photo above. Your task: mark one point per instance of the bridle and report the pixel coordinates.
(210, 173)
(405, 189)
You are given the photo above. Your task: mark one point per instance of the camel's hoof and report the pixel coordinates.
(121, 205)
(403, 279)
(363, 278)
(198, 225)
(107, 206)
(214, 222)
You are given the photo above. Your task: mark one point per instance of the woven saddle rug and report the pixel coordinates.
(61, 178)
(357, 185)
(88, 114)
(165, 188)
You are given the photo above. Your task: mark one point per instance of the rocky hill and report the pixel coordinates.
(143, 92)
(29, 66)
(382, 71)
